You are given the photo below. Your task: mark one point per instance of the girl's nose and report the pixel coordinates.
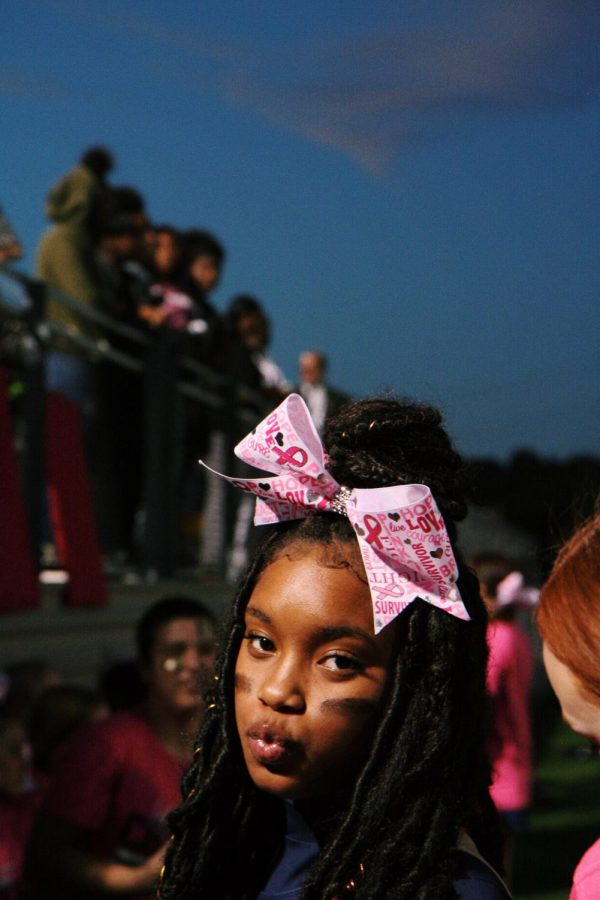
(191, 659)
(281, 689)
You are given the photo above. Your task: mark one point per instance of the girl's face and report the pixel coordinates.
(166, 252)
(310, 677)
(181, 658)
(205, 272)
(578, 710)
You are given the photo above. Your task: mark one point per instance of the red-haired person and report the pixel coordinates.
(568, 621)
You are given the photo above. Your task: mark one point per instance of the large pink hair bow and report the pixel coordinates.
(403, 541)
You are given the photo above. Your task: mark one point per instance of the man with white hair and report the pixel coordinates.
(321, 399)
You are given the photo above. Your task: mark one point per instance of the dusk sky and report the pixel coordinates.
(411, 187)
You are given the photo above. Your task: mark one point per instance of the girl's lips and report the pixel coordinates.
(269, 748)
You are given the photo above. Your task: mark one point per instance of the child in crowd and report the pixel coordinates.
(568, 621)
(248, 336)
(27, 680)
(186, 270)
(169, 306)
(19, 799)
(343, 751)
(55, 717)
(204, 257)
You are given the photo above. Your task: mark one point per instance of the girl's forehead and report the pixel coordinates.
(331, 555)
(185, 629)
(306, 587)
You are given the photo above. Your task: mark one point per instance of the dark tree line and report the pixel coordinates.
(544, 497)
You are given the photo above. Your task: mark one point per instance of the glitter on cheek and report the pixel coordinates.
(242, 683)
(172, 664)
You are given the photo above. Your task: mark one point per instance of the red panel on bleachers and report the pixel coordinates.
(19, 588)
(70, 502)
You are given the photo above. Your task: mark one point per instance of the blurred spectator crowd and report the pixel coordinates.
(157, 280)
(89, 774)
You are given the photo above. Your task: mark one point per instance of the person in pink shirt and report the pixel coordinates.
(568, 621)
(509, 677)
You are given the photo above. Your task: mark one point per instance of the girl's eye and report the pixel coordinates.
(341, 662)
(259, 642)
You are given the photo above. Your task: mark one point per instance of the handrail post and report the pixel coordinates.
(218, 513)
(162, 455)
(34, 415)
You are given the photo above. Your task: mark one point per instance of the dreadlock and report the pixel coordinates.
(427, 774)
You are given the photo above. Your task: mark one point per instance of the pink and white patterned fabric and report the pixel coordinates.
(403, 541)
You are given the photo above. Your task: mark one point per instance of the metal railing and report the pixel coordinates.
(173, 384)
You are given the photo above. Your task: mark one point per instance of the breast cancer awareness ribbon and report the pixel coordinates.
(402, 538)
(405, 549)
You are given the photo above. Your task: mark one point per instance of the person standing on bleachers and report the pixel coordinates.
(322, 399)
(78, 205)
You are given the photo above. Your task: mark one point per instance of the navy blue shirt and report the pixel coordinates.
(474, 880)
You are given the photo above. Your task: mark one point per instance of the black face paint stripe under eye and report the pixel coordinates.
(357, 705)
(242, 683)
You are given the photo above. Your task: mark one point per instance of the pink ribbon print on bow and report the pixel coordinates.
(403, 541)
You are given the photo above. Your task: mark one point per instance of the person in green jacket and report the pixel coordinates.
(77, 205)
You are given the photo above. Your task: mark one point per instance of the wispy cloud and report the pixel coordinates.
(20, 84)
(371, 96)
(146, 27)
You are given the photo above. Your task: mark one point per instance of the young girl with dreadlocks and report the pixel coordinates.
(343, 748)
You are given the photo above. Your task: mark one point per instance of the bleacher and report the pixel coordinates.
(52, 612)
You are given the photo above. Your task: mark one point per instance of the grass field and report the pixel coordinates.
(565, 818)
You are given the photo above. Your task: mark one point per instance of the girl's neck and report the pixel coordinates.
(323, 813)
